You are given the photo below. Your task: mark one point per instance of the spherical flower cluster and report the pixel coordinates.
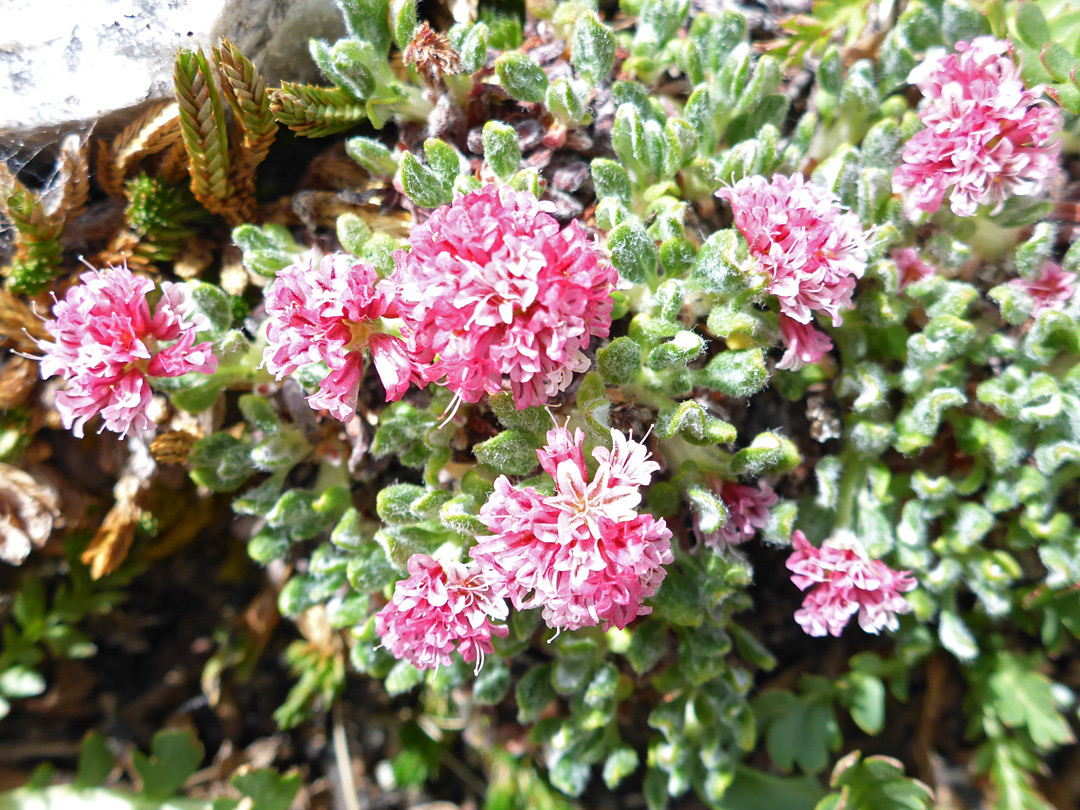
(910, 267)
(442, 606)
(327, 308)
(987, 138)
(1053, 289)
(492, 289)
(748, 511)
(811, 250)
(106, 344)
(844, 581)
(584, 554)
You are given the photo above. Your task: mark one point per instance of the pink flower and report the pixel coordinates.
(987, 138)
(911, 267)
(1052, 290)
(106, 345)
(492, 290)
(748, 511)
(328, 308)
(811, 250)
(584, 554)
(843, 581)
(440, 605)
(803, 344)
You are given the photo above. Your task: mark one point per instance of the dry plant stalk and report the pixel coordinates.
(152, 132)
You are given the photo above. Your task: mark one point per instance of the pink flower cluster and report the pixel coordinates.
(328, 308)
(987, 138)
(492, 289)
(584, 554)
(842, 581)
(803, 344)
(106, 344)
(442, 606)
(911, 267)
(1051, 290)
(809, 247)
(748, 511)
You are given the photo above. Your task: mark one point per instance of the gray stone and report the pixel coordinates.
(71, 64)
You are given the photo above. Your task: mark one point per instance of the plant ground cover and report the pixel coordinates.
(661, 404)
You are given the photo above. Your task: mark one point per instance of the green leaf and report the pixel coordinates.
(266, 249)
(267, 789)
(800, 730)
(753, 789)
(368, 21)
(866, 700)
(620, 361)
(403, 20)
(956, 637)
(423, 186)
(566, 101)
(534, 692)
(512, 452)
(592, 48)
(501, 149)
(633, 252)
(1024, 698)
(372, 155)
(875, 782)
(723, 265)
(611, 180)
(647, 646)
(96, 761)
(684, 347)
(70, 797)
(21, 682)
(174, 756)
(768, 454)
(522, 78)
(1058, 62)
(473, 48)
(215, 304)
(736, 374)
(493, 682)
(620, 763)
(402, 678)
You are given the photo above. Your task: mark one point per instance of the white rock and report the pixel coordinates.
(64, 64)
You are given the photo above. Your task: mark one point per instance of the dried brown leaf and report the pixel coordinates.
(154, 132)
(107, 173)
(173, 165)
(432, 55)
(29, 510)
(66, 195)
(18, 376)
(173, 446)
(194, 257)
(113, 540)
(19, 325)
